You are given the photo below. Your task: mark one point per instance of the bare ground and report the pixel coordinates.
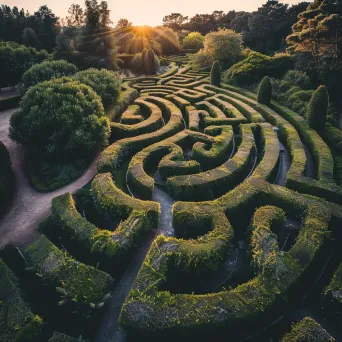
(29, 207)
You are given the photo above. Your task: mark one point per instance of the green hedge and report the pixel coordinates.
(307, 330)
(18, 323)
(10, 102)
(6, 178)
(190, 312)
(82, 289)
(333, 292)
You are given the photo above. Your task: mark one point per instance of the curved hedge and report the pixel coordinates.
(6, 178)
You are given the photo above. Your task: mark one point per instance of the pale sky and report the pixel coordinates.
(147, 12)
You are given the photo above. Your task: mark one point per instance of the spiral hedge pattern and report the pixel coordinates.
(251, 186)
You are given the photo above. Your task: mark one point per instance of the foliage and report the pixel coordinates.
(168, 40)
(123, 23)
(307, 330)
(215, 74)
(38, 30)
(105, 83)
(194, 40)
(318, 109)
(151, 62)
(256, 66)
(224, 46)
(15, 59)
(265, 91)
(60, 119)
(6, 178)
(46, 71)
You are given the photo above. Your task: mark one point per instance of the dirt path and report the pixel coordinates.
(29, 207)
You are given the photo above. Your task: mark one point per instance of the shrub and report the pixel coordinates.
(215, 74)
(45, 71)
(168, 40)
(15, 59)
(256, 66)
(318, 109)
(223, 45)
(137, 62)
(6, 177)
(265, 91)
(194, 40)
(298, 78)
(151, 62)
(104, 82)
(61, 119)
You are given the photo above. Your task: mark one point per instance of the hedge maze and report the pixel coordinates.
(241, 200)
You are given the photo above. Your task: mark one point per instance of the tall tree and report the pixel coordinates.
(76, 16)
(174, 21)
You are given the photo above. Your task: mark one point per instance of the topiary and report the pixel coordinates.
(106, 83)
(318, 109)
(150, 62)
(60, 119)
(215, 74)
(45, 71)
(265, 91)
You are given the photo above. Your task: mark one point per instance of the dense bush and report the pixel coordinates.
(215, 74)
(265, 91)
(104, 82)
(61, 119)
(194, 40)
(46, 71)
(256, 66)
(15, 59)
(137, 62)
(318, 109)
(223, 45)
(6, 177)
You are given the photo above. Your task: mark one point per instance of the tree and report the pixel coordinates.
(45, 71)
(76, 16)
(194, 40)
(318, 109)
(29, 38)
(265, 91)
(6, 176)
(92, 13)
(224, 46)
(60, 120)
(215, 74)
(150, 62)
(105, 83)
(122, 23)
(174, 21)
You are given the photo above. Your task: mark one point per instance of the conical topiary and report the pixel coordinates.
(150, 62)
(318, 109)
(215, 74)
(265, 91)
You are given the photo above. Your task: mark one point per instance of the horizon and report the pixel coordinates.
(138, 12)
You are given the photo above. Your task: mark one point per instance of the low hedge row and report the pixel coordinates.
(307, 330)
(59, 337)
(215, 182)
(6, 178)
(126, 97)
(194, 117)
(153, 122)
(333, 292)
(112, 157)
(217, 152)
(82, 289)
(189, 312)
(103, 247)
(10, 102)
(289, 123)
(18, 323)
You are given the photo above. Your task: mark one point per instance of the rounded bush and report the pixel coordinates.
(265, 91)
(45, 71)
(318, 109)
(106, 84)
(61, 119)
(215, 74)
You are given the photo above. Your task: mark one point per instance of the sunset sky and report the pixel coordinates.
(147, 12)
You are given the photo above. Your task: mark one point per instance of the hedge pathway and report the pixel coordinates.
(215, 216)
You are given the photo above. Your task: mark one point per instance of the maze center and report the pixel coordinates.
(238, 200)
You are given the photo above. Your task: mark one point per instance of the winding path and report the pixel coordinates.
(29, 207)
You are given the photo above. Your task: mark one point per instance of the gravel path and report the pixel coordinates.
(29, 207)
